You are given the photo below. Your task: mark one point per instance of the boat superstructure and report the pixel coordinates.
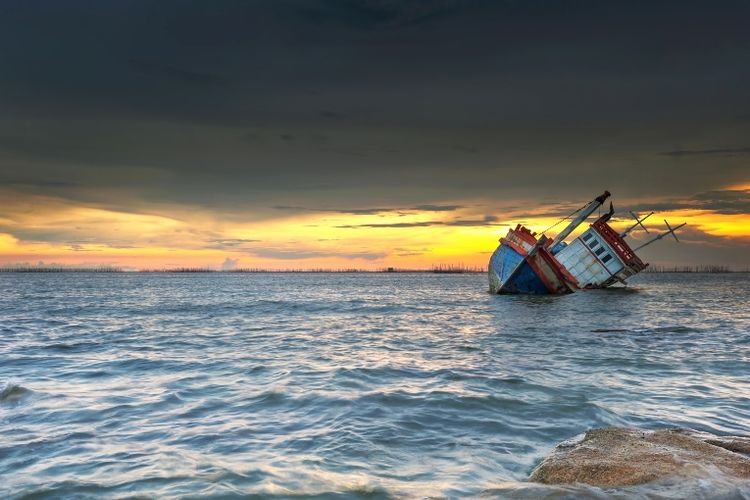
(525, 262)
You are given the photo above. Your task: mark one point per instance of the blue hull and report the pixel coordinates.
(502, 264)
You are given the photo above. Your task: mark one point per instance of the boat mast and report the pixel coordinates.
(638, 222)
(662, 235)
(588, 210)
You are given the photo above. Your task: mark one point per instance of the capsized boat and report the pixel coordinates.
(528, 263)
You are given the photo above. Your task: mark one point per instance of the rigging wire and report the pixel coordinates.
(564, 219)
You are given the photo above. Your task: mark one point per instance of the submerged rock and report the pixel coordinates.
(617, 456)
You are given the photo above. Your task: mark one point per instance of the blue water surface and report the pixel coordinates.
(347, 385)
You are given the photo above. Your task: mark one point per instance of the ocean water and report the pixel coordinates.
(351, 385)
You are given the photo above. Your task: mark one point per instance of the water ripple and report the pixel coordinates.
(341, 386)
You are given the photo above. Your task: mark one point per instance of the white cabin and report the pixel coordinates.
(599, 257)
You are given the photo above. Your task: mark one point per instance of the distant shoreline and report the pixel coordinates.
(390, 270)
(108, 269)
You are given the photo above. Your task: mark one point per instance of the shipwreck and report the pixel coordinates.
(599, 257)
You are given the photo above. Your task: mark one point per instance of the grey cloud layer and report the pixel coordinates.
(708, 152)
(728, 202)
(240, 107)
(372, 210)
(488, 220)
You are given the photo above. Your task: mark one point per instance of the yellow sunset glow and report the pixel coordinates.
(726, 225)
(56, 231)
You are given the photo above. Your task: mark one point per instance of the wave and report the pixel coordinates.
(640, 331)
(11, 392)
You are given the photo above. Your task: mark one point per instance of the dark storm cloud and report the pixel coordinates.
(378, 14)
(353, 211)
(390, 224)
(556, 210)
(707, 152)
(293, 254)
(179, 74)
(465, 149)
(488, 220)
(238, 106)
(372, 210)
(74, 237)
(36, 183)
(437, 208)
(728, 202)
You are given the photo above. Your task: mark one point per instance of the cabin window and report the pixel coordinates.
(587, 237)
(606, 258)
(599, 251)
(594, 244)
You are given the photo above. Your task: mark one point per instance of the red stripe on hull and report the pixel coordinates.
(524, 234)
(562, 273)
(550, 272)
(514, 246)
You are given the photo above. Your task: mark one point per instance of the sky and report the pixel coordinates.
(287, 134)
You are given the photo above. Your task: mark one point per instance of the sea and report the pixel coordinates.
(381, 385)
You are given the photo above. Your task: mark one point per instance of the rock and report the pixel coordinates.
(736, 444)
(618, 456)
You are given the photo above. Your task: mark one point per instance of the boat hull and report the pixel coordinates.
(524, 265)
(506, 276)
